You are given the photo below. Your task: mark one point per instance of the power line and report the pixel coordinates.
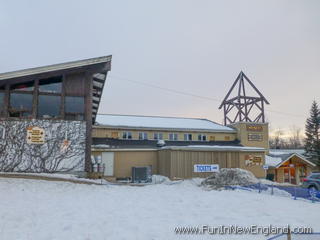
(166, 89)
(191, 94)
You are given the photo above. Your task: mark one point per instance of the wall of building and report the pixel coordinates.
(62, 149)
(253, 134)
(180, 163)
(124, 160)
(253, 162)
(100, 132)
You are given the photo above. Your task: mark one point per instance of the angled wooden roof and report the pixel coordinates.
(98, 67)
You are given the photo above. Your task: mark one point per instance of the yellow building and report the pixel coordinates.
(174, 146)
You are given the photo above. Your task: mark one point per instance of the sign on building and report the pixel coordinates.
(254, 128)
(255, 137)
(206, 168)
(253, 160)
(35, 135)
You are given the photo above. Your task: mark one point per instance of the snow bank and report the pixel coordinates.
(158, 179)
(230, 177)
(33, 209)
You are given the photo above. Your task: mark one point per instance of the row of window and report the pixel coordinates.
(49, 104)
(159, 136)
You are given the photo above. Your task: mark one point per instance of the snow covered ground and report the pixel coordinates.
(34, 209)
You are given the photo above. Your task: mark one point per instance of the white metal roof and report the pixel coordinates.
(153, 122)
(216, 148)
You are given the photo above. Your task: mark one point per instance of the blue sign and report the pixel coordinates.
(206, 168)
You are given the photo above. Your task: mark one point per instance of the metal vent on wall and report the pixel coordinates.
(141, 174)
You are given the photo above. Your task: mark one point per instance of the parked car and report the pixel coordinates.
(312, 182)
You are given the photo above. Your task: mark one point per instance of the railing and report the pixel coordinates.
(291, 191)
(293, 236)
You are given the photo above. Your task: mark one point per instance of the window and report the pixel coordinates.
(51, 85)
(114, 135)
(49, 106)
(157, 136)
(20, 105)
(126, 135)
(2, 103)
(74, 108)
(173, 136)
(212, 138)
(143, 135)
(2, 132)
(27, 86)
(202, 137)
(188, 137)
(227, 138)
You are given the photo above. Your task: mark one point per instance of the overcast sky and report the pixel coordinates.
(194, 46)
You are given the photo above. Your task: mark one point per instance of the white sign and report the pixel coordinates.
(35, 135)
(265, 167)
(206, 168)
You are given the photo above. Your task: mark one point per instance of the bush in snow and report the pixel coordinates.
(230, 177)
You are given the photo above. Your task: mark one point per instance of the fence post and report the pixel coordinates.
(289, 234)
(295, 193)
(272, 189)
(259, 186)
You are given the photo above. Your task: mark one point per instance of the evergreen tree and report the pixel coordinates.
(312, 142)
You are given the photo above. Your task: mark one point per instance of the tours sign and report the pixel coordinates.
(35, 135)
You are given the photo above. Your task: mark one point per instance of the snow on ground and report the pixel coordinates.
(34, 209)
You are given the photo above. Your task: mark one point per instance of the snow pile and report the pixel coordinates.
(158, 179)
(34, 209)
(230, 177)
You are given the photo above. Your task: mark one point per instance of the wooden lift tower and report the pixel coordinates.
(243, 108)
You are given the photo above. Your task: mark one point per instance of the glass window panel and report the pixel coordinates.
(143, 136)
(27, 86)
(126, 135)
(3, 87)
(51, 85)
(49, 106)
(74, 104)
(74, 116)
(188, 137)
(20, 104)
(173, 136)
(1, 100)
(1, 103)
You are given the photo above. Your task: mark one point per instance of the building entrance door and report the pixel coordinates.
(108, 161)
(290, 175)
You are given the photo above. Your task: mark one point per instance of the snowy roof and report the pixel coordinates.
(286, 151)
(276, 160)
(217, 148)
(155, 122)
(273, 161)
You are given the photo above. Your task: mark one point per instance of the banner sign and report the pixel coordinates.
(206, 168)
